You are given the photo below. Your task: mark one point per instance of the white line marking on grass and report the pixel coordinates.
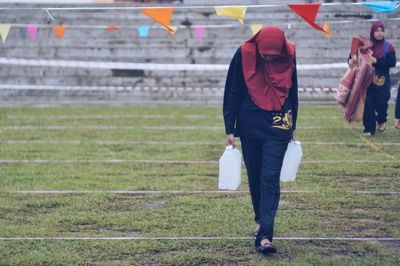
(348, 161)
(155, 116)
(348, 143)
(156, 142)
(78, 117)
(112, 142)
(144, 191)
(175, 161)
(110, 127)
(115, 127)
(377, 192)
(371, 144)
(105, 161)
(141, 192)
(202, 238)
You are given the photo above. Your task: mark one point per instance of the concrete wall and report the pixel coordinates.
(217, 47)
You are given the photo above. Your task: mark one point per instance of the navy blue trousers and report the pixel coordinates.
(375, 109)
(397, 110)
(263, 161)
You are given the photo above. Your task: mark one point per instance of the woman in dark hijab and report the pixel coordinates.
(260, 106)
(378, 94)
(397, 110)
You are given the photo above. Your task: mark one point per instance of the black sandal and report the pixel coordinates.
(266, 249)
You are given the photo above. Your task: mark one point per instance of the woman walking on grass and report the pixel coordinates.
(378, 93)
(397, 110)
(260, 106)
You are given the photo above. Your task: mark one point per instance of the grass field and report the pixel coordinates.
(348, 187)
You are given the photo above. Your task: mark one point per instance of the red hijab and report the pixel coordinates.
(377, 47)
(268, 82)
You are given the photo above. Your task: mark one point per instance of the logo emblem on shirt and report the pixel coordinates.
(284, 122)
(379, 80)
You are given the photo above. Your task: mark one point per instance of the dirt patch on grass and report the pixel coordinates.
(120, 204)
(393, 245)
(101, 230)
(35, 209)
(156, 204)
(122, 231)
(127, 203)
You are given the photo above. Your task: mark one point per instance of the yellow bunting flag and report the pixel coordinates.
(237, 12)
(59, 30)
(4, 30)
(255, 28)
(327, 32)
(161, 15)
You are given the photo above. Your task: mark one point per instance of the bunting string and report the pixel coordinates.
(162, 15)
(177, 6)
(101, 27)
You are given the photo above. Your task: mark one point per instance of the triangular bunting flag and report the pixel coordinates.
(161, 15)
(59, 30)
(237, 12)
(173, 28)
(308, 12)
(112, 28)
(4, 30)
(143, 31)
(32, 31)
(382, 7)
(327, 32)
(199, 30)
(255, 28)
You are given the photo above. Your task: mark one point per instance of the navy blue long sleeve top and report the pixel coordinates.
(245, 119)
(382, 74)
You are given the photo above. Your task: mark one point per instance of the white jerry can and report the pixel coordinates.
(291, 161)
(230, 169)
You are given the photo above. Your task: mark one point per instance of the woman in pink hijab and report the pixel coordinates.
(260, 106)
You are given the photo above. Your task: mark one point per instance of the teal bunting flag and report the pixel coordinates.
(143, 31)
(382, 7)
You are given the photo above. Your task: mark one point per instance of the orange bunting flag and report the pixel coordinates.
(59, 30)
(308, 12)
(161, 15)
(327, 32)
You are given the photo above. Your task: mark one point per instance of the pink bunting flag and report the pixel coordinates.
(32, 31)
(200, 32)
